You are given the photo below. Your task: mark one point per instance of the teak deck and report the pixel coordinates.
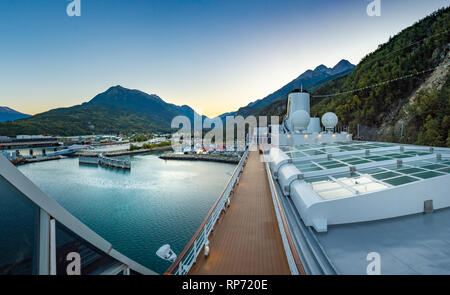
(246, 239)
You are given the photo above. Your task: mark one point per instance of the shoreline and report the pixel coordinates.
(206, 158)
(126, 153)
(35, 160)
(91, 155)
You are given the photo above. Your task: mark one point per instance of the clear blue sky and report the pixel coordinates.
(214, 55)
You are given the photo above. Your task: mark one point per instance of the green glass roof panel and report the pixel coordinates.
(428, 174)
(310, 169)
(379, 159)
(297, 155)
(385, 175)
(445, 170)
(371, 171)
(360, 162)
(411, 170)
(313, 152)
(402, 156)
(434, 166)
(400, 180)
(345, 175)
(419, 163)
(330, 163)
(336, 166)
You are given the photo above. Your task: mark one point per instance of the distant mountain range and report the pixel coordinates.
(309, 80)
(117, 110)
(8, 114)
(122, 110)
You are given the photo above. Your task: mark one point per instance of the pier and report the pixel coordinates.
(88, 160)
(114, 163)
(200, 157)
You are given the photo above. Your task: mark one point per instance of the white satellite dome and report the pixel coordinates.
(329, 120)
(300, 120)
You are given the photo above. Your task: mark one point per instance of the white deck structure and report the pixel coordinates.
(351, 182)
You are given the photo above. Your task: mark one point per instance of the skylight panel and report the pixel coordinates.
(444, 170)
(400, 180)
(385, 175)
(434, 166)
(335, 194)
(410, 170)
(428, 174)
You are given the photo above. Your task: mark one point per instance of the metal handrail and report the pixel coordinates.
(188, 256)
(287, 231)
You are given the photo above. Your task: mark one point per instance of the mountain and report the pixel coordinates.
(8, 114)
(310, 79)
(135, 101)
(117, 110)
(414, 109)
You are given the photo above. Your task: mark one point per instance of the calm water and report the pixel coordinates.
(158, 202)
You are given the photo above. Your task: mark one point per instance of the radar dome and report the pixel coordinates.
(300, 120)
(329, 120)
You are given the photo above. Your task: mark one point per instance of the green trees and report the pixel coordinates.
(404, 54)
(429, 134)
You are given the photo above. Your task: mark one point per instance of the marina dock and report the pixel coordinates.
(246, 239)
(105, 161)
(200, 157)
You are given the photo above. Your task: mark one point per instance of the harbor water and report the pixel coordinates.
(157, 202)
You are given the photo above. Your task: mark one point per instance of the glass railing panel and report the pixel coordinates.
(19, 232)
(93, 261)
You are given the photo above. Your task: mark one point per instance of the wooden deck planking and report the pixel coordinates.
(246, 239)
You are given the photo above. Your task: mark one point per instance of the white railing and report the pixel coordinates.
(189, 255)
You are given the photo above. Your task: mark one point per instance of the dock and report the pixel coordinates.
(246, 239)
(35, 159)
(114, 163)
(200, 157)
(124, 153)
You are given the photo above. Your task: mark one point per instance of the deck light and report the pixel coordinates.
(207, 248)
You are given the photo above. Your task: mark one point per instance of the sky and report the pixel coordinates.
(213, 55)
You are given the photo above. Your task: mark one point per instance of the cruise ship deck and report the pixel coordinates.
(246, 239)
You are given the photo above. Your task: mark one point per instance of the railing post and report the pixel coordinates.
(195, 251)
(52, 247)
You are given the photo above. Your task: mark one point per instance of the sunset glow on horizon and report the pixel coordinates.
(214, 56)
